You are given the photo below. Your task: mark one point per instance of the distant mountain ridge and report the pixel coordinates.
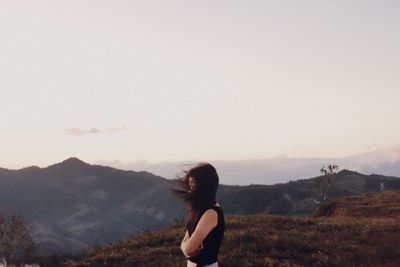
(298, 197)
(385, 161)
(73, 205)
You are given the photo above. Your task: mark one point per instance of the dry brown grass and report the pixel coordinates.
(384, 204)
(267, 240)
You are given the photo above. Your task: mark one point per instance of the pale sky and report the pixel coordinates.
(196, 80)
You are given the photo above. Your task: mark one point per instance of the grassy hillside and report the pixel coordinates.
(73, 205)
(269, 240)
(298, 197)
(386, 204)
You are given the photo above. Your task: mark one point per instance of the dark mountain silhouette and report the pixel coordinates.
(73, 205)
(298, 197)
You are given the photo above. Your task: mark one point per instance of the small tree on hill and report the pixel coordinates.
(16, 244)
(325, 181)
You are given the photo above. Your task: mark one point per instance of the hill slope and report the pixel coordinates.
(270, 240)
(385, 204)
(73, 205)
(298, 197)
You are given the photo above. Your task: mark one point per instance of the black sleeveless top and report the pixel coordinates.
(212, 242)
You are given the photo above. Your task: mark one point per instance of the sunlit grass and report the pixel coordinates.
(268, 240)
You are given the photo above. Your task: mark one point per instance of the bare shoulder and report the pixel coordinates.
(209, 217)
(211, 213)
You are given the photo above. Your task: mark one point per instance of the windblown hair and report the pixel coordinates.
(204, 194)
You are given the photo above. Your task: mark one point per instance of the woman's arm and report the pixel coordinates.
(186, 237)
(193, 244)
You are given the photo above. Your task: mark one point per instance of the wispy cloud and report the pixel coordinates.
(93, 130)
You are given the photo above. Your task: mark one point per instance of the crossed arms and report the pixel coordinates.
(192, 245)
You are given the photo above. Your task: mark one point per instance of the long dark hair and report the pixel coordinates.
(204, 194)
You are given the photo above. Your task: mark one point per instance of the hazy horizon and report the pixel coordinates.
(158, 81)
(385, 154)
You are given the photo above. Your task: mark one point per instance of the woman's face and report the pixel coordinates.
(192, 184)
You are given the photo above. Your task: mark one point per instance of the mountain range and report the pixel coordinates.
(73, 205)
(282, 169)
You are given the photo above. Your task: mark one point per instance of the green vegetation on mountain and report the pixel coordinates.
(362, 236)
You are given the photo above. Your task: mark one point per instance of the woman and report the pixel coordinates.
(205, 224)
